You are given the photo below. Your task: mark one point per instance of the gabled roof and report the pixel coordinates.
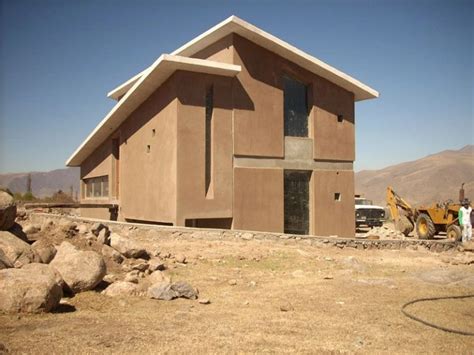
(236, 25)
(140, 90)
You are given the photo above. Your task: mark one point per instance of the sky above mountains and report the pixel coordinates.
(58, 59)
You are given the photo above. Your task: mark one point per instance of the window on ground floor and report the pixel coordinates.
(97, 187)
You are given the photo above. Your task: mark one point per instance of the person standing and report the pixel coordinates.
(465, 220)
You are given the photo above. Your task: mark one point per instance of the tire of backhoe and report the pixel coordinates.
(424, 219)
(404, 225)
(454, 233)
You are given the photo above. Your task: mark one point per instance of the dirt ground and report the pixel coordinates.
(337, 301)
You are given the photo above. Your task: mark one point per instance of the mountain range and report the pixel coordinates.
(435, 178)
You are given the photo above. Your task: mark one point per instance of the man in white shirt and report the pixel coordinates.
(464, 216)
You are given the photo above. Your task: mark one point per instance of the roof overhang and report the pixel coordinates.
(236, 25)
(140, 90)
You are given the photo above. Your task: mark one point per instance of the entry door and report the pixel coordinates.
(296, 187)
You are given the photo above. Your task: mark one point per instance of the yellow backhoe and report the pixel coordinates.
(427, 221)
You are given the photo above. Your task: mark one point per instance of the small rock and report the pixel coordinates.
(132, 276)
(97, 227)
(141, 266)
(286, 307)
(82, 229)
(298, 273)
(45, 251)
(158, 276)
(162, 291)
(156, 264)
(328, 277)
(247, 236)
(110, 278)
(104, 236)
(31, 228)
(180, 258)
(184, 289)
(122, 288)
(127, 247)
(252, 284)
(111, 253)
(232, 282)
(204, 301)
(47, 223)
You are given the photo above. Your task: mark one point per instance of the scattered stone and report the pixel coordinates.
(180, 258)
(204, 301)
(298, 273)
(286, 307)
(122, 288)
(247, 236)
(81, 270)
(157, 277)
(45, 251)
(156, 264)
(110, 278)
(82, 229)
(24, 291)
(111, 253)
(185, 290)
(252, 284)
(31, 228)
(141, 266)
(132, 276)
(127, 247)
(232, 282)
(162, 291)
(7, 211)
(97, 227)
(104, 236)
(16, 250)
(328, 277)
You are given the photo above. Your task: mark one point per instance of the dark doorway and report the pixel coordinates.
(296, 188)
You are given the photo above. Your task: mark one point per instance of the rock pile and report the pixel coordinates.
(383, 232)
(33, 278)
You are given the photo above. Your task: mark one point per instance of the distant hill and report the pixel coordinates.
(434, 178)
(43, 184)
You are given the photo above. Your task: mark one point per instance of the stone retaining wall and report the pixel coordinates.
(213, 234)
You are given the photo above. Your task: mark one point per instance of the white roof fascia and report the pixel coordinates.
(266, 40)
(152, 78)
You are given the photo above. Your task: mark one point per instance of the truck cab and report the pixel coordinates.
(368, 214)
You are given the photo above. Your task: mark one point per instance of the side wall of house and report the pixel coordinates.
(196, 199)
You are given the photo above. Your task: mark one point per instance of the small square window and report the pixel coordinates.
(337, 196)
(148, 149)
(153, 132)
(340, 118)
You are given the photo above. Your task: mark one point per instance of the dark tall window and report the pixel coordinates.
(209, 109)
(296, 188)
(295, 107)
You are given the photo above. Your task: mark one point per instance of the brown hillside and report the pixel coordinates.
(434, 178)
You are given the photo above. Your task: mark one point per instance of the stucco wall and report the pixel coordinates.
(220, 51)
(332, 217)
(98, 163)
(258, 199)
(191, 189)
(148, 179)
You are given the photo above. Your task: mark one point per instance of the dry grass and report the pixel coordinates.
(341, 305)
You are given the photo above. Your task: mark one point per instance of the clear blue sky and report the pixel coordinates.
(58, 59)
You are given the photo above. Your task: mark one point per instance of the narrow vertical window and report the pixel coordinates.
(208, 157)
(295, 108)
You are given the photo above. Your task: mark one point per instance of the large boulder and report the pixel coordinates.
(81, 270)
(122, 288)
(37, 268)
(22, 290)
(7, 211)
(127, 247)
(16, 250)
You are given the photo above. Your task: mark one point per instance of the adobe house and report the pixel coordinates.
(235, 129)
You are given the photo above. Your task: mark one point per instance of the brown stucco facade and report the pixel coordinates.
(156, 160)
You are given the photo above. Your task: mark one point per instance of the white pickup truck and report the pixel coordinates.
(367, 214)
